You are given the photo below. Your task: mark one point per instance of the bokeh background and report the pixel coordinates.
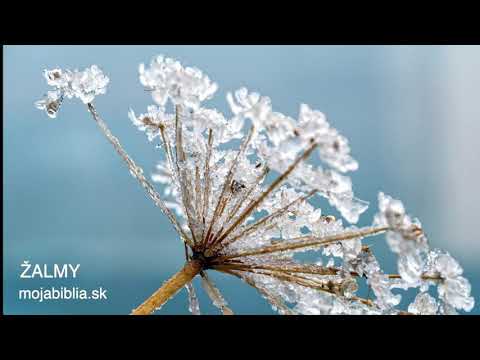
(411, 114)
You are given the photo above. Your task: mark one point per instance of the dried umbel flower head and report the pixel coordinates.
(232, 220)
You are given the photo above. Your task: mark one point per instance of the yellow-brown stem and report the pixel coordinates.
(305, 242)
(254, 204)
(169, 288)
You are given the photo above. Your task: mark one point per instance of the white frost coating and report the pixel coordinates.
(424, 304)
(214, 295)
(193, 304)
(89, 83)
(168, 79)
(217, 176)
(454, 290)
(50, 103)
(334, 148)
(416, 260)
(84, 85)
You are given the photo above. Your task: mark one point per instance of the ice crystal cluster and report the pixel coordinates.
(84, 85)
(215, 172)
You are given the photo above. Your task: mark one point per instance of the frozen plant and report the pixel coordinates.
(232, 220)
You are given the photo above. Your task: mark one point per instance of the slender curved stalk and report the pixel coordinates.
(169, 288)
(309, 241)
(137, 172)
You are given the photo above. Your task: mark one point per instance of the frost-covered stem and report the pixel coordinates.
(136, 171)
(206, 176)
(178, 135)
(168, 151)
(169, 288)
(193, 304)
(185, 184)
(317, 270)
(264, 220)
(215, 244)
(308, 269)
(214, 294)
(423, 277)
(310, 241)
(233, 167)
(262, 197)
(247, 193)
(310, 283)
(272, 299)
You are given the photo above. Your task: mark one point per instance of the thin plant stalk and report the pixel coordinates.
(169, 288)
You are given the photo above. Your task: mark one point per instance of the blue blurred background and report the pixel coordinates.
(411, 114)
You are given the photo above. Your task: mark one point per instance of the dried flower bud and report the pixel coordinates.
(51, 103)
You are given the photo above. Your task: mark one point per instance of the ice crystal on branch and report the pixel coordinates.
(217, 193)
(84, 85)
(51, 103)
(89, 83)
(424, 304)
(169, 80)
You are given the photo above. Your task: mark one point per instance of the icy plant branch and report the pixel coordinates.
(231, 219)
